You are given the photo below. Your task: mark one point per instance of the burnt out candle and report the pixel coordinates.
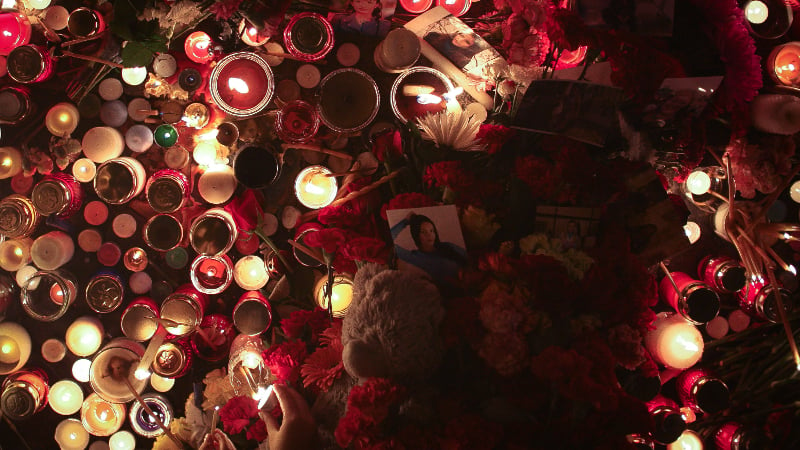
(349, 100)
(308, 36)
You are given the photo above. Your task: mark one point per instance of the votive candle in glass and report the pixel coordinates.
(349, 100)
(455, 7)
(119, 180)
(62, 119)
(100, 417)
(24, 393)
(213, 233)
(217, 184)
(416, 6)
(10, 162)
(252, 314)
(167, 190)
(85, 22)
(694, 300)
(297, 121)
(58, 194)
(163, 232)
(308, 36)
(84, 170)
(674, 342)
(134, 76)
(70, 435)
(122, 440)
(341, 294)
(314, 187)
(15, 347)
(15, 30)
(65, 397)
(211, 274)
(135, 259)
(242, 84)
(198, 47)
(30, 64)
(186, 307)
(250, 273)
(161, 384)
(783, 64)
(84, 336)
(110, 367)
(138, 321)
(143, 423)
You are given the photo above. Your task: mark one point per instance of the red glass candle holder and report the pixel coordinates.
(167, 190)
(700, 390)
(722, 273)
(197, 47)
(757, 299)
(173, 359)
(416, 6)
(693, 299)
(242, 84)
(213, 339)
(138, 319)
(211, 274)
(186, 308)
(297, 122)
(29, 64)
(252, 314)
(15, 30)
(308, 36)
(455, 7)
(58, 193)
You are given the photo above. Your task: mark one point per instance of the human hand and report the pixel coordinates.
(298, 430)
(216, 440)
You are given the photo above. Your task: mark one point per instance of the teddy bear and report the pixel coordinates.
(391, 330)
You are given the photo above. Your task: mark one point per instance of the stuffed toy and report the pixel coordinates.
(391, 331)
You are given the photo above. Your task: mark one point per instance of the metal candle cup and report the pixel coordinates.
(694, 300)
(163, 232)
(141, 421)
(137, 321)
(211, 274)
(308, 36)
(252, 314)
(110, 367)
(29, 64)
(119, 180)
(213, 232)
(172, 359)
(242, 84)
(167, 190)
(186, 307)
(105, 291)
(58, 193)
(18, 216)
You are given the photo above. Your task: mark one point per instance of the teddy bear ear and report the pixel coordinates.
(363, 360)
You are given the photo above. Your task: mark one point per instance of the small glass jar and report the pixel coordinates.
(167, 190)
(757, 299)
(18, 216)
(694, 300)
(105, 291)
(15, 105)
(722, 273)
(211, 274)
(301, 233)
(59, 194)
(24, 393)
(119, 180)
(247, 370)
(85, 22)
(163, 232)
(242, 84)
(341, 294)
(213, 233)
(735, 436)
(252, 314)
(101, 417)
(776, 20)
(408, 101)
(315, 188)
(186, 306)
(138, 319)
(700, 390)
(47, 294)
(297, 122)
(667, 420)
(308, 36)
(349, 100)
(701, 182)
(213, 339)
(173, 359)
(29, 64)
(115, 362)
(141, 421)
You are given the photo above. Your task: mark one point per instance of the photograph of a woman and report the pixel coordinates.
(363, 17)
(430, 239)
(459, 47)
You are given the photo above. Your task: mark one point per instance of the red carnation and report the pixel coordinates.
(284, 360)
(447, 174)
(367, 407)
(257, 431)
(494, 136)
(236, 414)
(366, 249)
(328, 239)
(409, 200)
(301, 322)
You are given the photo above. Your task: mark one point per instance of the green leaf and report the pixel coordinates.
(135, 54)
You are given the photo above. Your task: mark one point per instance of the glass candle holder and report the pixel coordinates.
(735, 436)
(47, 295)
(138, 319)
(165, 135)
(15, 347)
(85, 22)
(693, 300)
(167, 190)
(29, 64)
(15, 30)
(213, 339)
(186, 307)
(119, 180)
(62, 119)
(246, 367)
(256, 167)
(213, 233)
(105, 291)
(18, 216)
(674, 342)
(250, 273)
(101, 417)
(242, 84)
(252, 314)
(722, 273)
(768, 19)
(84, 336)
(700, 184)
(15, 254)
(667, 420)
(15, 105)
(163, 232)
(70, 435)
(196, 115)
(300, 234)
(190, 79)
(308, 36)
(211, 274)
(135, 259)
(251, 35)
(341, 294)
(143, 423)
(110, 367)
(416, 6)
(419, 91)
(297, 122)
(24, 393)
(348, 100)
(227, 133)
(65, 397)
(700, 390)
(58, 193)
(757, 299)
(314, 187)
(198, 48)
(172, 359)
(783, 64)
(400, 49)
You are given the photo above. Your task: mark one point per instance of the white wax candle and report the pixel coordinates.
(53, 350)
(756, 12)
(10, 162)
(56, 17)
(140, 283)
(217, 184)
(15, 253)
(114, 113)
(674, 342)
(15, 347)
(122, 440)
(52, 250)
(134, 76)
(84, 336)
(165, 65)
(314, 188)
(250, 273)
(102, 143)
(38, 4)
(65, 397)
(205, 153)
(81, 369)
(101, 418)
(110, 89)
(124, 225)
(70, 435)
(160, 383)
(139, 109)
(90, 240)
(84, 170)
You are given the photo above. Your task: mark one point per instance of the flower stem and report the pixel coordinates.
(274, 249)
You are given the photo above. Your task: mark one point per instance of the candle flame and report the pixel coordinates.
(6, 348)
(792, 269)
(314, 189)
(7, 161)
(428, 99)
(687, 345)
(141, 374)
(262, 395)
(238, 85)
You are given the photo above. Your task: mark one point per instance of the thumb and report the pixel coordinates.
(272, 424)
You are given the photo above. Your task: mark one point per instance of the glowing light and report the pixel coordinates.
(80, 370)
(7, 348)
(7, 161)
(251, 360)
(756, 12)
(314, 189)
(263, 395)
(794, 192)
(689, 440)
(238, 85)
(141, 374)
(692, 231)
(698, 183)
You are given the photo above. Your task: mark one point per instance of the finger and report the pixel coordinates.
(269, 421)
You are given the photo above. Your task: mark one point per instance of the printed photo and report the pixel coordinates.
(366, 17)
(429, 239)
(575, 227)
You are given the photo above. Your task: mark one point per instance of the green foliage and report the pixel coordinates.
(144, 38)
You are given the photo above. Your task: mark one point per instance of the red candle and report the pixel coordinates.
(242, 84)
(783, 64)
(416, 6)
(15, 30)
(198, 47)
(456, 7)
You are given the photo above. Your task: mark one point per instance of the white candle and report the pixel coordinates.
(692, 231)
(250, 273)
(134, 76)
(688, 440)
(314, 188)
(52, 250)
(101, 418)
(110, 89)
(81, 370)
(90, 240)
(15, 347)
(140, 283)
(114, 113)
(674, 342)
(53, 350)
(205, 153)
(274, 47)
(341, 294)
(56, 17)
(102, 143)
(122, 440)
(70, 435)
(308, 76)
(160, 383)
(84, 170)
(38, 4)
(165, 65)
(217, 184)
(124, 225)
(756, 12)
(84, 336)
(65, 397)
(24, 274)
(698, 182)
(10, 162)
(15, 253)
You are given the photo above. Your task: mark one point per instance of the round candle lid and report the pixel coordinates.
(49, 197)
(18, 402)
(348, 54)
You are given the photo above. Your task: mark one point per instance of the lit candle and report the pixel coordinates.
(456, 7)
(81, 369)
(101, 418)
(15, 30)
(10, 162)
(416, 6)
(784, 63)
(24, 274)
(674, 342)
(52, 250)
(15, 347)
(161, 384)
(122, 440)
(15, 253)
(135, 259)
(688, 440)
(242, 84)
(698, 182)
(211, 274)
(142, 422)
(102, 143)
(70, 435)
(198, 47)
(217, 184)
(205, 153)
(53, 350)
(84, 170)
(251, 36)
(692, 231)
(250, 273)
(756, 12)
(196, 115)
(314, 188)
(84, 336)
(134, 76)
(65, 397)
(341, 294)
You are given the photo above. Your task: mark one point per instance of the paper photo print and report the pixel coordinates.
(574, 226)
(365, 17)
(429, 239)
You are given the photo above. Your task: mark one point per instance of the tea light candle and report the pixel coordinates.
(101, 418)
(124, 225)
(314, 188)
(84, 170)
(341, 295)
(10, 162)
(15, 253)
(95, 212)
(756, 12)
(135, 259)
(674, 342)
(139, 109)
(274, 47)
(250, 273)
(688, 440)
(84, 336)
(52, 250)
(205, 153)
(65, 397)
(308, 76)
(217, 184)
(70, 435)
(416, 6)
(114, 113)
(161, 384)
(784, 63)
(15, 347)
(348, 54)
(139, 138)
(110, 89)
(165, 65)
(251, 36)
(692, 231)
(15, 30)
(198, 47)
(102, 143)
(242, 84)
(56, 17)
(122, 440)
(81, 370)
(53, 350)
(134, 76)
(90, 240)
(140, 283)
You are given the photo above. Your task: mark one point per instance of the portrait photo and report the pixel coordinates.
(370, 18)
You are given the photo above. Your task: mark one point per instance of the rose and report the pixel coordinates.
(388, 145)
(494, 136)
(246, 210)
